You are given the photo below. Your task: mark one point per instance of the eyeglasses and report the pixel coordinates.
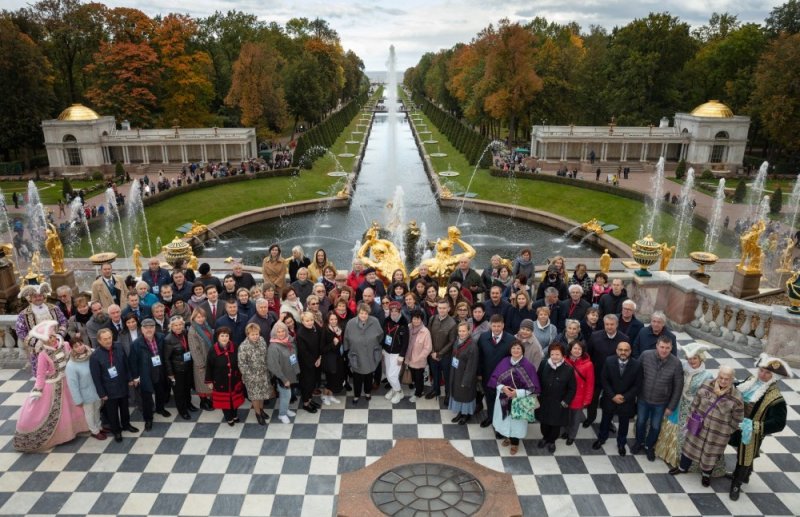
(314, 303)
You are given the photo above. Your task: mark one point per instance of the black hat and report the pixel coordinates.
(774, 365)
(369, 270)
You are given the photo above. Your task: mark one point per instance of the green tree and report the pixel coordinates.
(740, 193)
(66, 188)
(27, 92)
(680, 170)
(305, 94)
(784, 19)
(776, 201)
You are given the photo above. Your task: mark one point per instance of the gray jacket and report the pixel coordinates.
(663, 380)
(363, 344)
(279, 363)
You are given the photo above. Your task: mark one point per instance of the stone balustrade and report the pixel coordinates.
(11, 355)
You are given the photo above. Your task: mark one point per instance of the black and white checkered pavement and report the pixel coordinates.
(205, 467)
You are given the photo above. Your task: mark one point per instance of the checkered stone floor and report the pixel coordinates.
(205, 467)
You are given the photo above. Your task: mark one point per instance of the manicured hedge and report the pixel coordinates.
(326, 132)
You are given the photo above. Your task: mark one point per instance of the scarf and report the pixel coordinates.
(205, 332)
(553, 365)
(719, 391)
(753, 389)
(80, 358)
(517, 377)
(83, 319)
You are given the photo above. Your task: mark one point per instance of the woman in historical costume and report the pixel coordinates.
(255, 374)
(201, 338)
(720, 406)
(765, 409)
(463, 375)
(49, 416)
(670, 440)
(513, 377)
(584, 383)
(557, 378)
(223, 376)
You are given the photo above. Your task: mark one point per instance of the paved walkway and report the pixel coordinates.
(205, 467)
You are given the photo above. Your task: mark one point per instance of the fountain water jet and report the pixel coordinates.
(78, 218)
(715, 224)
(794, 202)
(654, 207)
(494, 145)
(684, 214)
(757, 191)
(111, 202)
(133, 209)
(37, 220)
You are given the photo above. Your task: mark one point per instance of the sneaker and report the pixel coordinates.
(291, 413)
(284, 419)
(325, 400)
(412, 399)
(389, 394)
(334, 399)
(398, 396)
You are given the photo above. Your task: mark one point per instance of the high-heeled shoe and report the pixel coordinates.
(264, 415)
(260, 419)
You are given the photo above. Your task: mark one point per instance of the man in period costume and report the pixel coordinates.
(765, 413)
(36, 312)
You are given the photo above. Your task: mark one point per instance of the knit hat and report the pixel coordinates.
(395, 305)
(527, 323)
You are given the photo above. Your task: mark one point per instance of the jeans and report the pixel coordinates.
(654, 413)
(284, 394)
(439, 369)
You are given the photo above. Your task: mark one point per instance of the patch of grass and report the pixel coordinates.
(49, 191)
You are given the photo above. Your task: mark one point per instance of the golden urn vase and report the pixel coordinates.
(645, 252)
(176, 250)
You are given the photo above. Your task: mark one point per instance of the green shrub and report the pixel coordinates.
(740, 193)
(66, 188)
(119, 169)
(680, 170)
(97, 176)
(776, 201)
(707, 175)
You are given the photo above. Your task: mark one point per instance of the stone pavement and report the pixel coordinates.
(205, 467)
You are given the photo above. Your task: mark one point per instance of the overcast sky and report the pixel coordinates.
(419, 26)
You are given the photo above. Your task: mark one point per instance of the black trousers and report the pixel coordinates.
(183, 391)
(308, 381)
(147, 401)
(362, 380)
(229, 414)
(418, 376)
(591, 412)
(489, 395)
(117, 413)
(550, 433)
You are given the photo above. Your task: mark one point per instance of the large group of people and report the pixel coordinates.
(495, 347)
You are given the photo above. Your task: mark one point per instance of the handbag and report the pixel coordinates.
(694, 424)
(523, 408)
(405, 375)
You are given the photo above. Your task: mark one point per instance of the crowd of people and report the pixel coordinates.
(502, 347)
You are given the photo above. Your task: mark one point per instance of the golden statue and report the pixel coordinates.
(36, 264)
(793, 292)
(593, 226)
(445, 193)
(387, 258)
(192, 264)
(8, 254)
(442, 265)
(666, 255)
(787, 257)
(196, 229)
(751, 251)
(137, 260)
(52, 244)
(605, 262)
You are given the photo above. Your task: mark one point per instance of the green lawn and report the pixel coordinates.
(49, 191)
(576, 203)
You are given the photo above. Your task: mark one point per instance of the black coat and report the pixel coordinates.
(558, 390)
(399, 335)
(173, 354)
(142, 367)
(100, 362)
(237, 327)
(555, 311)
(628, 385)
(309, 346)
(600, 347)
(610, 303)
(490, 354)
(464, 378)
(578, 313)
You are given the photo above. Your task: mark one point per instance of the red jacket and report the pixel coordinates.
(584, 375)
(354, 280)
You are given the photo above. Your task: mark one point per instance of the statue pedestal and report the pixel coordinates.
(67, 278)
(9, 287)
(700, 277)
(745, 284)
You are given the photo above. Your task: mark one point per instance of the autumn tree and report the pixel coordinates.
(776, 98)
(125, 69)
(256, 89)
(186, 91)
(27, 91)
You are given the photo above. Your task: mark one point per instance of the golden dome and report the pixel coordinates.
(78, 112)
(714, 109)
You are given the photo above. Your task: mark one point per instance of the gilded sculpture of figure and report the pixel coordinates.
(793, 292)
(54, 247)
(36, 263)
(137, 261)
(196, 229)
(192, 264)
(605, 262)
(593, 225)
(442, 265)
(386, 255)
(787, 256)
(666, 255)
(751, 251)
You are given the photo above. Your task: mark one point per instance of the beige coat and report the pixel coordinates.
(275, 272)
(101, 293)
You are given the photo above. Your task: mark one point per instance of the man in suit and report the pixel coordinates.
(602, 344)
(234, 320)
(115, 323)
(493, 346)
(108, 289)
(160, 317)
(573, 308)
(550, 301)
(621, 379)
(155, 276)
(213, 306)
(147, 371)
(134, 306)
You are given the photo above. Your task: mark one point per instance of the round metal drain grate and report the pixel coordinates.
(427, 489)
